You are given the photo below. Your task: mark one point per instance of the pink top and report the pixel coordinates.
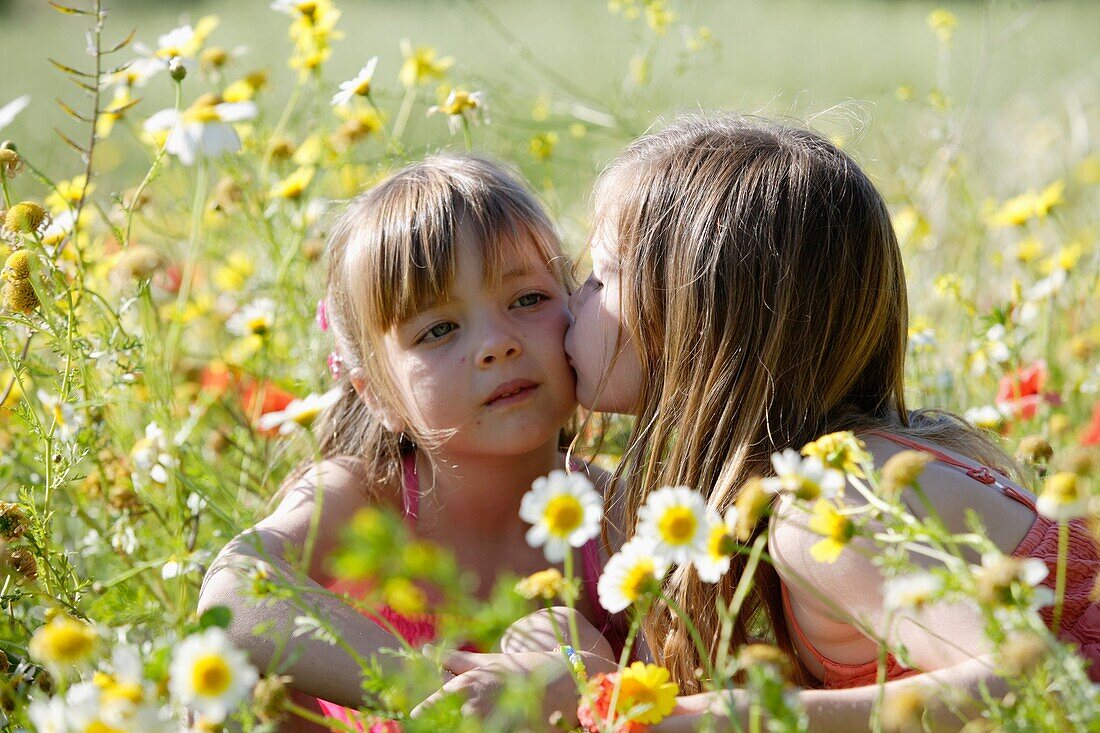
(420, 629)
(1080, 623)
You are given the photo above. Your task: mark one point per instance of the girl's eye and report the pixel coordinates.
(530, 299)
(437, 331)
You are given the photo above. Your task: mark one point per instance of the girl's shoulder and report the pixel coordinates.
(343, 479)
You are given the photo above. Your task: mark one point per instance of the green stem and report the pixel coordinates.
(574, 635)
(704, 654)
(403, 114)
(1060, 575)
(149, 174)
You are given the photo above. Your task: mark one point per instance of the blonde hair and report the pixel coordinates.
(764, 291)
(393, 252)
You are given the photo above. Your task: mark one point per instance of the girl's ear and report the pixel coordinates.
(390, 420)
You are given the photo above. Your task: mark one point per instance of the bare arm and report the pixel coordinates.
(841, 711)
(317, 505)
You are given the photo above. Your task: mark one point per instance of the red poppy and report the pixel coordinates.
(1092, 432)
(220, 378)
(1021, 391)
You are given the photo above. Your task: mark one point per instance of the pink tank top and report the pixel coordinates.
(421, 629)
(1080, 623)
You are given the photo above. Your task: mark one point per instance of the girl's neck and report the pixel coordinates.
(480, 493)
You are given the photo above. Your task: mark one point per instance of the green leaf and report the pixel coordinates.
(219, 616)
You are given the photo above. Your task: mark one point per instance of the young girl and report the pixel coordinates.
(447, 302)
(747, 296)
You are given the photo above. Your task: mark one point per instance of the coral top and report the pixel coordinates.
(421, 629)
(1080, 623)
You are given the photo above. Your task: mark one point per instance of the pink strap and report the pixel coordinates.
(979, 473)
(410, 488)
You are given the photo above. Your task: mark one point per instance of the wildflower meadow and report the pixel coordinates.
(166, 198)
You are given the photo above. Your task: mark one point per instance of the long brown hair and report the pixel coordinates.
(764, 291)
(391, 252)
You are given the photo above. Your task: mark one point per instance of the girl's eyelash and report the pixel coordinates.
(542, 297)
(428, 335)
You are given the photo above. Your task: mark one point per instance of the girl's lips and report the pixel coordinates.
(511, 392)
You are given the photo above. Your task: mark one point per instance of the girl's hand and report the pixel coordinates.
(480, 678)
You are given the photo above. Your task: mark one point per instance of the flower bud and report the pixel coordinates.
(23, 562)
(270, 697)
(1035, 449)
(11, 164)
(903, 709)
(176, 69)
(26, 217)
(754, 654)
(19, 296)
(902, 470)
(13, 522)
(1021, 652)
(17, 266)
(751, 505)
(546, 584)
(214, 57)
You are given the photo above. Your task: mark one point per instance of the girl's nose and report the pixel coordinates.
(499, 345)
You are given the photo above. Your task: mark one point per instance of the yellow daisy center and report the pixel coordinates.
(363, 88)
(202, 113)
(563, 515)
(210, 677)
(257, 325)
(306, 417)
(69, 641)
(678, 525)
(637, 580)
(98, 726)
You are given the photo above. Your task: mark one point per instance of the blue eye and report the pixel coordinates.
(438, 331)
(530, 299)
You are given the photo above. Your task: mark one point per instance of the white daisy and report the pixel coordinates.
(914, 590)
(202, 129)
(13, 108)
(631, 572)
(714, 561)
(357, 87)
(564, 511)
(254, 319)
(806, 478)
(1063, 497)
(674, 518)
(60, 414)
(300, 413)
(987, 416)
(209, 675)
(50, 715)
(152, 460)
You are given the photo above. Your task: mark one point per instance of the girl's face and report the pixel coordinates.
(488, 362)
(600, 349)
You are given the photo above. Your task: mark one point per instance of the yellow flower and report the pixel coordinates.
(1063, 497)
(19, 296)
(1050, 197)
(658, 16)
(837, 529)
(245, 89)
(943, 23)
(293, 186)
(1065, 259)
(842, 451)
(902, 470)
(17, 266)
(421, 64)
(26, 217)
(403, 596)
(233, 275)
(546, 584)
(646, 693)
(542, 146)
(67, 193)
(121, 102)
(11, 164)
(1029, 249)
(63, 642)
